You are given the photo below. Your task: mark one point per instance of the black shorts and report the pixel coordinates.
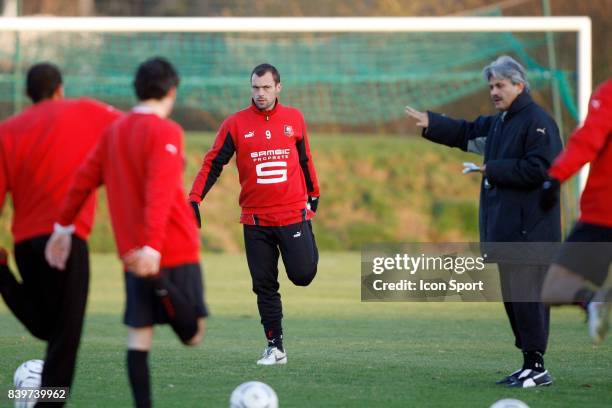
(587, 252)
(143, 308)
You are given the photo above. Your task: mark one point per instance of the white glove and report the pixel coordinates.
(58, 247)
(471, 168)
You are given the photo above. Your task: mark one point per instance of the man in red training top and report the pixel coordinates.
(140, 160)
(580, 270)
(279, 196)
(40, 151)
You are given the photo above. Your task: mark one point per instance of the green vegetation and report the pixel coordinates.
(342, 352)
(374, 189)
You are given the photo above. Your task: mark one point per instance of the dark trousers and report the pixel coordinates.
(530, 320)
(296, 244)
(51, 304)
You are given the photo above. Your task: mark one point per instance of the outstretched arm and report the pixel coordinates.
(467, 136)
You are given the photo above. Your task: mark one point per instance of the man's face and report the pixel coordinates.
(504, 92)
(264, 91)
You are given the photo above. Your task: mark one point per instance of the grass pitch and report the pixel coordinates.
(341, 352)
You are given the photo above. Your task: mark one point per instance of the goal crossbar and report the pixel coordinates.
(296, 24)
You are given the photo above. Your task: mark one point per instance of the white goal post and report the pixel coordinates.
(580, 25)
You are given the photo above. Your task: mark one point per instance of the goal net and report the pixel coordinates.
(358, 77)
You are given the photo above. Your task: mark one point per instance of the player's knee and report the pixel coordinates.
(303, 276)
(560, 285)
(41, 334)
(199, 335)
(140, 338)
(42, 328)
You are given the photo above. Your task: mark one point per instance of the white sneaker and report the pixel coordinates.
(599, 314)
(271, 356)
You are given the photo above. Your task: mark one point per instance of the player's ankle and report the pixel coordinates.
(276, 342)
(274, 335)
(533, 360)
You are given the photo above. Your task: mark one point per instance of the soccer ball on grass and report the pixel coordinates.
(509, 403)
(253, 394)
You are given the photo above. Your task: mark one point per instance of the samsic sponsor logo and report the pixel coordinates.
(273, 154)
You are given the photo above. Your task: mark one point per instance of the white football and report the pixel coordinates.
(28, 374)
(509, 403)
(253, 394)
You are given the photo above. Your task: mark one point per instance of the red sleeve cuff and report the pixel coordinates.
(195, 198)
(557, 173)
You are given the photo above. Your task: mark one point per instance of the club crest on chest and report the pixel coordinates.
(288, 130)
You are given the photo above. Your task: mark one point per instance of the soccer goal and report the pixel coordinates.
(346, 74)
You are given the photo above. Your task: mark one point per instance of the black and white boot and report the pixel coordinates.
(529, 378)
(513, 377)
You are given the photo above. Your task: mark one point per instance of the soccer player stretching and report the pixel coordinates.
(278, 180)
(40, 151)
(140, 161)
(580, 270)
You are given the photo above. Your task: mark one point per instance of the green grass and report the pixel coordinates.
(342, 352)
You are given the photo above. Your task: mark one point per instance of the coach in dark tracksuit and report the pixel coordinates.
(519, 144)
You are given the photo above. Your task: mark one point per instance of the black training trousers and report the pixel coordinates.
(529, 319)
(53, 304)
(296, 244)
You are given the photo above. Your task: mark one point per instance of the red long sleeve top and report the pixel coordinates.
(274, 163)
(140, 160)
(592, 143)
(41, 149)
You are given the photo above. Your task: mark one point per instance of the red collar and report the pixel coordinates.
(267, 114)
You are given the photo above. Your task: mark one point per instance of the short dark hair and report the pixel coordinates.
(42, 81)
(155, 78)
(262, 69)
